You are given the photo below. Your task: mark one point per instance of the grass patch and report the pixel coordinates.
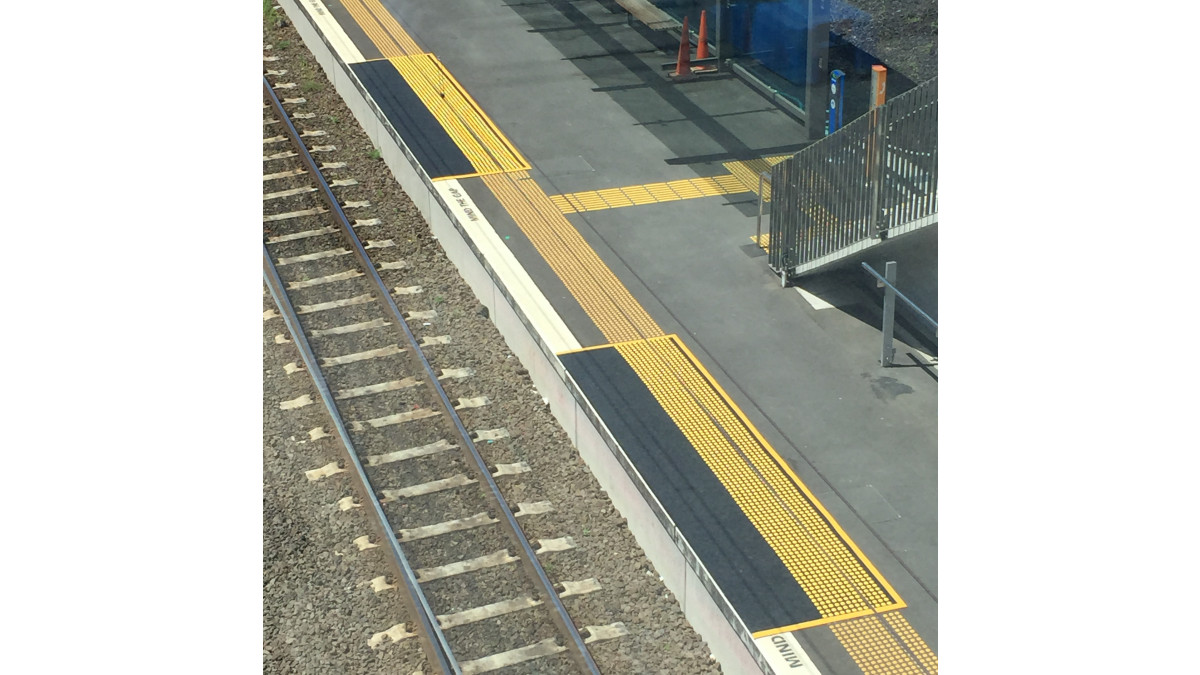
(269, 14)
(310, 86)
(375, 154)
(283, 44)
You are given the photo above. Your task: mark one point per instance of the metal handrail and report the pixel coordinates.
(900, 295)
(565, 624)
(876, 174)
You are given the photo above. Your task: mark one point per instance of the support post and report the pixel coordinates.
(878, 86)
(888, 353)
(816, 69)
(758, 232)
(837, 82)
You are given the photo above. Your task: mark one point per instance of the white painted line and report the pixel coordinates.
(435, 340)
(395, 265)
(332, 30)
(546, 321)
(407, 290)
(813, 300)
(279, 155)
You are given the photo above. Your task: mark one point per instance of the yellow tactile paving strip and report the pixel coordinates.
(389, 38)
(837, 577)
(876, 649)
(747, 172)
(488, 150)
(650, 193)
(479, 139)
(605, 299)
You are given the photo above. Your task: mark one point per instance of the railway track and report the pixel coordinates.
(477, 595)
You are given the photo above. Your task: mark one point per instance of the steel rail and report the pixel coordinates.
(439, 653)
(509, 521)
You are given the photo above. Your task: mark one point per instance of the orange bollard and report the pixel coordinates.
(683, 66)
(702, 44)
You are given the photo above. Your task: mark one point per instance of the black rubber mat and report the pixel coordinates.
(758, 585)
(421, 131)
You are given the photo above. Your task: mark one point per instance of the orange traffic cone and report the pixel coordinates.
(683, 66)
(702, 43)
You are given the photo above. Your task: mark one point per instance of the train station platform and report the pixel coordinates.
(618, 208)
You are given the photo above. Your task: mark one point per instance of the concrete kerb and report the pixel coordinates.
(682, 572)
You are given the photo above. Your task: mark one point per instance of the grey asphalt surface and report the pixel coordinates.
(582, 96)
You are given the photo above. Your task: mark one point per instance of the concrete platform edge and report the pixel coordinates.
(703, 604)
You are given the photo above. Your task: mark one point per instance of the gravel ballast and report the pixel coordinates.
(319, 609)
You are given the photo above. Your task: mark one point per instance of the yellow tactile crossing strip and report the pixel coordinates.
(747, 171)
(605, 299)
(832, 571)
(877, 652)
(742, 177)
(650, 193)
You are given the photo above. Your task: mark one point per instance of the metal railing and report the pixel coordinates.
(874, 175)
